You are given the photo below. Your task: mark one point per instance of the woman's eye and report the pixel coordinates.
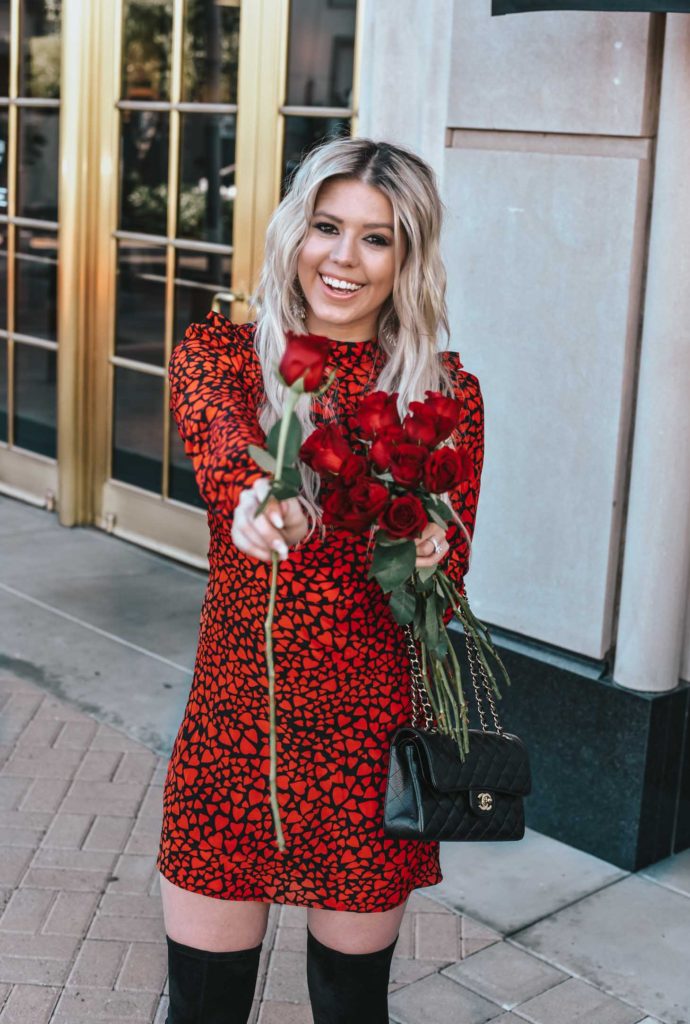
(378, 239)
(322, 225)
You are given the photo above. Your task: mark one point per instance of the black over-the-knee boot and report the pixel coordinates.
(209, 987)
(348, 988)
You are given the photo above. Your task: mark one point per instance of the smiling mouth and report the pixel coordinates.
(338, 285)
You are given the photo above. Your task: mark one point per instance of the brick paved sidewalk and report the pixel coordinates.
(81, 928)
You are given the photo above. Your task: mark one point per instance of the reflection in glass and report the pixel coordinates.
(35, 388)
(138, 429)
(39, 138)
(320, 54)
(211, 47)
(3, 276)
(36, 296)
(4, 140)
(207, 177)
(3, 390)
(182, 483)
(140, 303)
(302, 134)
(198, 277)
(39, 70)
(4, 48)
(144, 171)
(146, 48)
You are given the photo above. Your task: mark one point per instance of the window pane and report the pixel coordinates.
(144, 171)
(36, 265)
(4, 137)
(302, 134)
(140, 309)
(35, 385)
(39, 71)
(207, 177)
(3, 389)
(138, 429)
(4, 230)
(182, 482)
(321, 53)
(39, 136)
(211, 46)
(147, 28)
(4, 48)
(199, 276)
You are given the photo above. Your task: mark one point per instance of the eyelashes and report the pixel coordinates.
(377, 240)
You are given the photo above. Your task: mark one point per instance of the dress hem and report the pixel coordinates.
(298, 902)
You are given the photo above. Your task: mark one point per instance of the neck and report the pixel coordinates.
(360, 330)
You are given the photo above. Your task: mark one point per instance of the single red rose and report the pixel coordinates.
(404, 517)
(353, 466)
(305, 356)
(447, 411)
(376, 411)
(355, 507)
(325, 450)
(382, 448)
(407, 464)
(446, 468)
(420, 425)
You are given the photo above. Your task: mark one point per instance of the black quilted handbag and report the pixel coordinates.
(432, 794)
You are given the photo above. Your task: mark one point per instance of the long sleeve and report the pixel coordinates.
(465, 497)
(214, 376)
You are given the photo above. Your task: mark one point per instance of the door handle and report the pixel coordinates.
(226, 297)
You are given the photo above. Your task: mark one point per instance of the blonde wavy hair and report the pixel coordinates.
(410, 320)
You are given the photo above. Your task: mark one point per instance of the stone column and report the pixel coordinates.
(656, 562)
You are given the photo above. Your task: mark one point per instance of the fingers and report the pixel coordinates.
(427, 554)
(256, 535)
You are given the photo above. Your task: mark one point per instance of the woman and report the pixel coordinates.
(352, 253)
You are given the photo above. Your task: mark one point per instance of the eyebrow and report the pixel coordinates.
(338, 220)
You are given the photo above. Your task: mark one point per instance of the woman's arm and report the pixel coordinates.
(213, 384)
(465, 497)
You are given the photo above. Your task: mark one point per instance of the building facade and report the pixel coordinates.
(144, 145)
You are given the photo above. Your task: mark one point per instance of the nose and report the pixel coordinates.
(343, 251)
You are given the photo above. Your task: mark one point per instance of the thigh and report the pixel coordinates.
(352, 932)
(206, 922)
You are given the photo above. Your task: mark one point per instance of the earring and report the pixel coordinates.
(297, 309)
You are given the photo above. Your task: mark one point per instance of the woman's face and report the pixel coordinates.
(347, 264)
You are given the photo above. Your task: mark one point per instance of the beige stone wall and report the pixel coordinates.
(542, 130)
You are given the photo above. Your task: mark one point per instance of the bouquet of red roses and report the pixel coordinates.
(389, 480)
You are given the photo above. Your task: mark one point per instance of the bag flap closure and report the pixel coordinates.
(494, 763)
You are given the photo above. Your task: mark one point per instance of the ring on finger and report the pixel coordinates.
(437, 546)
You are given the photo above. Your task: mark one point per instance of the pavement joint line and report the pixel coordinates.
(95, 629)
(566, 906)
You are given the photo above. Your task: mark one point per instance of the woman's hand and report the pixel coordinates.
(426, 552)
(281, 525)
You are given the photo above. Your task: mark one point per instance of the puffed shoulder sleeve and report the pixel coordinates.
(215, 381)
(465, 497)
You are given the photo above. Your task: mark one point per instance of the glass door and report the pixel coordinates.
(30, 73)
(170, 255)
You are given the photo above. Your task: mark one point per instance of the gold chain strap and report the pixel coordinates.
(420, 700)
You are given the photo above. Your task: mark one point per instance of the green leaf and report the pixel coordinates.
(292, 476)
(403, 604)
(431, 624)
(293, 441)
(426, 572)
(282, 489)
(393, 566)
(262, 458)
(272, 439)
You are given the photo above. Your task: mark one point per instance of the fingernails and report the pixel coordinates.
(277, 520)
(281, 547)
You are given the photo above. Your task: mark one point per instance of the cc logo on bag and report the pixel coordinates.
(485, 800)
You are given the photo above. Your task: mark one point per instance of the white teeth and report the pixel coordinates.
(344, 286)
